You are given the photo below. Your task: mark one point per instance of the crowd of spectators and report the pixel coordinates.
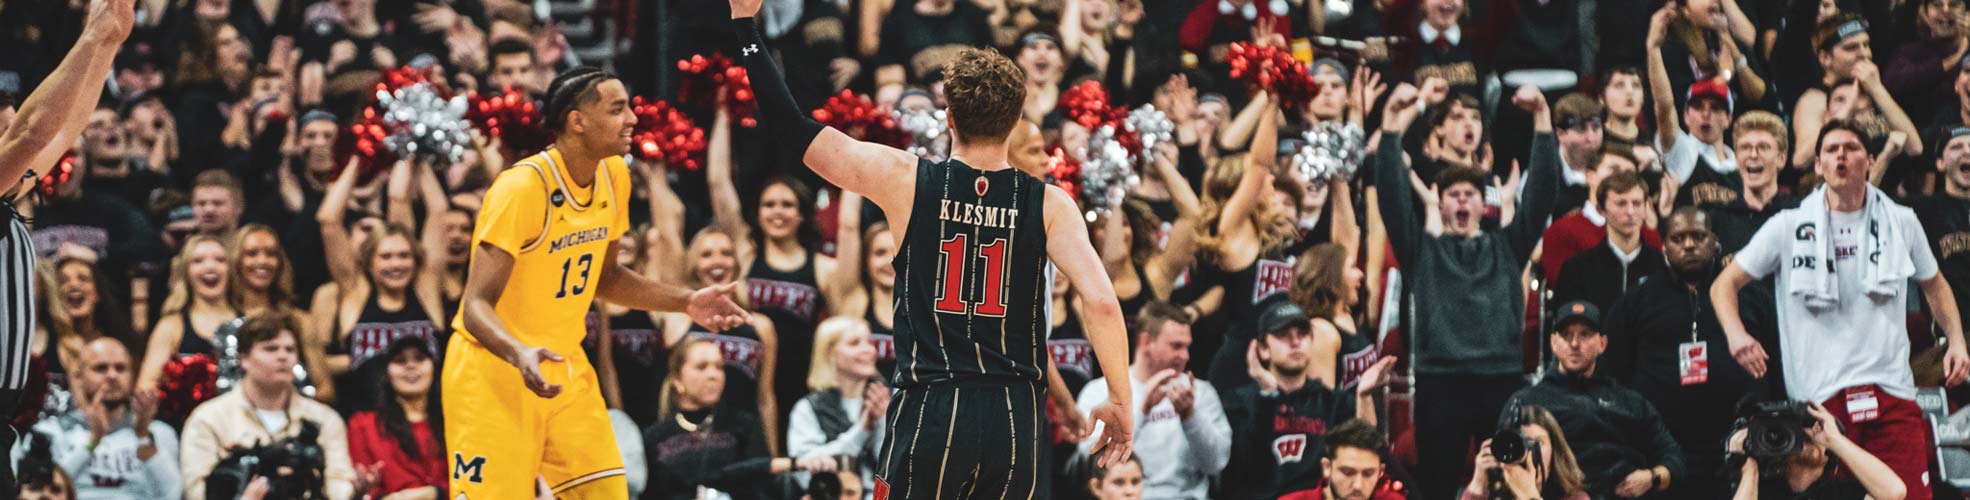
(1582, 238)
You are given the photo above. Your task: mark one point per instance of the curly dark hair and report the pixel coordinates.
(986, 91)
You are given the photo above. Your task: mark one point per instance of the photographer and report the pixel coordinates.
(109, 440)
(1803, 473)
(264, 409)
(1623, 447)
(1544, 467)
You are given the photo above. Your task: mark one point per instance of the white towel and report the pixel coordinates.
(1885, 259)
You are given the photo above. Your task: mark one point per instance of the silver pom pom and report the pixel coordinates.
(926, 129)
(1108, 175)
(1330, 150)
(1153, 127)
(424, 126)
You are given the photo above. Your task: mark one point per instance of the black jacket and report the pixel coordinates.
(1277, 439)
(1612, 431)
(1596, 275)
(1645, 331)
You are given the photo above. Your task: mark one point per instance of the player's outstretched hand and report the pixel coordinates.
(1117, 434)
(528, 361)
(742, 9)
(713, 308)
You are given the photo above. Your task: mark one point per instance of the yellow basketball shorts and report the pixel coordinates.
(501, 435)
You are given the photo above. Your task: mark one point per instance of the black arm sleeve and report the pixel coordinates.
(782, 117)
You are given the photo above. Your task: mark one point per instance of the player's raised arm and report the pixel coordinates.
(49, 120)
(1073, 255)
(863, 167)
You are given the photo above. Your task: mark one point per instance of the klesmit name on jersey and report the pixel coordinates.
(966, 213)
(577, 238)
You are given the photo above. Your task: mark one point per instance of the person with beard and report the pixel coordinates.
(1693, 154)
(1467, 304)
(109, 440)
(1760, 139)
(1622, 261)
(1173, 412)
(1842, 260)
(1663, 342)
(1946, 216)
(1280, 423)
(1355, 466)
(1618, 436)
(512, 66)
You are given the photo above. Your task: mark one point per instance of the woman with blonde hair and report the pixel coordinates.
(750, 351)
(195, 308)
(1552, 473)
(1327, 285)
(260, 271)
(716, 448)
(74, 311)
(843, 417)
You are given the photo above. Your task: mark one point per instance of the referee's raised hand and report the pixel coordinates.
(1117, 433)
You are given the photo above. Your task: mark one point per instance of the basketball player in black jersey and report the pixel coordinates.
(975, 237)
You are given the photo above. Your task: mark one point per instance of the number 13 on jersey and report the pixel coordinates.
(957, 254)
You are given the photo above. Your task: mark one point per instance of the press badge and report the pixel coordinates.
(1862, 407)
(1693, 361)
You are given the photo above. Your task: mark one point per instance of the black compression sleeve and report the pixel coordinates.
(784, 121)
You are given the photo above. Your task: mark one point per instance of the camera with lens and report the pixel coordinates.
(1510, 447)
(293, 468)
(1774, 430)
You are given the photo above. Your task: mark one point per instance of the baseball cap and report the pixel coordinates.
(1277, 313)
(1579, 310)
(1713, 88)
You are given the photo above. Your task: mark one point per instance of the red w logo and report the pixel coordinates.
(1289, 448)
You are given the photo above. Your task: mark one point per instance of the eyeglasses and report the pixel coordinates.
(1759, 148)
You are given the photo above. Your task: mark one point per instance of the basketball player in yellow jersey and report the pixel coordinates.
(543, 248)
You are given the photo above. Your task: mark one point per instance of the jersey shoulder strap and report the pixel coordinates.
(540, 163)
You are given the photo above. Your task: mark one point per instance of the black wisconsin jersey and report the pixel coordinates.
(971, 302)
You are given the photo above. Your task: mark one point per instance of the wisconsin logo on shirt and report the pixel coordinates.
(885, 346)
(1289, 448)
(1072, 355)
(796, 298)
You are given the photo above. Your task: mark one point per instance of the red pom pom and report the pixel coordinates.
(665, 134)
(709, 75)
(858, 116)
(187, 381)
(510, 116)
(1274, 70)
(1086, 104)
(1064, 171)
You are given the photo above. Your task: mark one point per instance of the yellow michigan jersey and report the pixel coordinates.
(500, 434)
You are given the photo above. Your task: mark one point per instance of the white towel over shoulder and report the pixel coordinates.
(1884, 258)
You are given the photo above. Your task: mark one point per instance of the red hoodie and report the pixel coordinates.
(370, 444)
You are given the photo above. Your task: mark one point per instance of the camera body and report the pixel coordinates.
(293, 468)
(1509, 446)
(1774, 430)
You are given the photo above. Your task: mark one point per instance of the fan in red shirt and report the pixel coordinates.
(396, 447)
(1354, 467)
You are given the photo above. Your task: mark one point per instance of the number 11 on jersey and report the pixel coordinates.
(956, 255)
